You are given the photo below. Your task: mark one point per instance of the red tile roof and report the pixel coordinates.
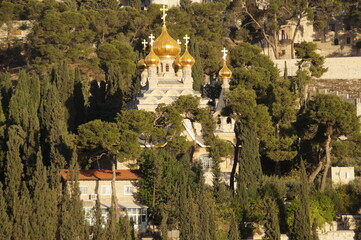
(103, 174)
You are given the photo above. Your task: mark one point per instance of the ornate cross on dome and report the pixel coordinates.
(151, 39)
(144, 44)
(186, 38)
(164, 9)
(224, 51)
(179, 42)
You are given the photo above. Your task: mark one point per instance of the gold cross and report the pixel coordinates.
(186, 38)
(164, 10)
(151, 39)
(144, 44)
(224, 51)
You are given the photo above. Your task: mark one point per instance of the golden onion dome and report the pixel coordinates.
(186, 59)
(141, 64)
(165, 46)
(225, 72)
(152, 59)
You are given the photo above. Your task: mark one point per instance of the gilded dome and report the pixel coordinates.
(165, 46)
(186, 59)
(225, 72)
(152, 59)
(141, 64)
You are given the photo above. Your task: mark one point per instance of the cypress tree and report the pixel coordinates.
(250, 170)
(272, 226)
(301, 225)
(125, 228)
(22, 216)
(14, 166)
(193, 215)
(80, 99)
(233, 232)
(285, 72)
(53, 128)
(71, 215)
(98, 230)
(163, 224)
(3, 149)
(113, 230)
(44, 201)
(6, 89)
(197, 70)
(23, 111)
(184, 211)
(5, 224)
(206, 213)
(114, 91)
(63, 78)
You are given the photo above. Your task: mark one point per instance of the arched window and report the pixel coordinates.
(335, 42)
(167, 67)
(229, 120)
(161, 67)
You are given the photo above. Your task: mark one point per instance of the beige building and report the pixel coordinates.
(337, 40)
(341, 175)
(96, 184)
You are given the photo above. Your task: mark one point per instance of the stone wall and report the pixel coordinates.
(338, 67)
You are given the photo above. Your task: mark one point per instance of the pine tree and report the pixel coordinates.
(233, 232)
(44, 201)
(272, 226)
(301, 225)
(5, 224)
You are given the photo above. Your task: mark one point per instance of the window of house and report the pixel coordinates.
(106, 190)
(347, 175)
(283, 35)
(207, 162)
(348, 40)
(137, 215)
(332, 27)
(335, 41)
(128, 190)
(161, 67)
(83, 190)
(167, 68)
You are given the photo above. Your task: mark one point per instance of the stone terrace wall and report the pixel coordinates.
(338, 67)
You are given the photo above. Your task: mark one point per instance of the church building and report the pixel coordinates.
(166, 75)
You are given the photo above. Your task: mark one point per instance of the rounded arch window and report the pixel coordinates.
(167, 67)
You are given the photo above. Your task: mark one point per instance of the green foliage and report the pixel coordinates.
(310, 60)
(272, 227)
(301, 224)
(5, 224)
